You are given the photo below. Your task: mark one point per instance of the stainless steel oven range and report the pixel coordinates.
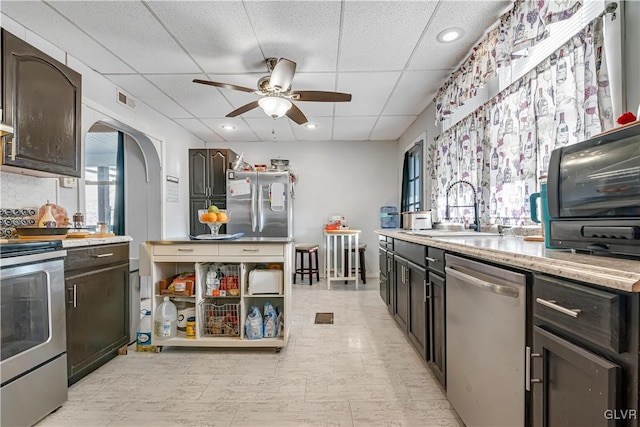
(33, 362)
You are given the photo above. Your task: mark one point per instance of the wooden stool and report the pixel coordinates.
(309, 249)
(361, 248)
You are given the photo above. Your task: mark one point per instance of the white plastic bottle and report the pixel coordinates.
(143, 336)
(166, 320)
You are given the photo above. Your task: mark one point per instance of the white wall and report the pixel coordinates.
(424, 125)
(99, 104)
(349, 178)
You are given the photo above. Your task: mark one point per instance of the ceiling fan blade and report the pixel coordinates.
(282, 75)
(296, 115)
(243, 109)
(224, 85)
(320, 96)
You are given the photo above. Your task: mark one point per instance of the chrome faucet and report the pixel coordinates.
(475, 203)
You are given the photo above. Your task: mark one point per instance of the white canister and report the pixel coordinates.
(183, 315)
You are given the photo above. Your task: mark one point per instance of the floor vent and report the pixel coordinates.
(324, 319)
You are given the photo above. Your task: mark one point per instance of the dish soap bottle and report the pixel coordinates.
(47, 219)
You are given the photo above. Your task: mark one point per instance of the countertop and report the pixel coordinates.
(616, 273)
(93, 241)
(183, 241)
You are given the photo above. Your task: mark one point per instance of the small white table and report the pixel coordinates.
(336, 242)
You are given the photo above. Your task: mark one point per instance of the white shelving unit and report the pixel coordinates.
(215, 315)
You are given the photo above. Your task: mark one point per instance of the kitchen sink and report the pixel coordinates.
(448, 233)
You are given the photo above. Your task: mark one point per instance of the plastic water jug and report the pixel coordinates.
(166, 320)
(143, 336)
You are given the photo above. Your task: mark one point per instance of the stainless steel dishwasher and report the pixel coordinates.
(486, 339)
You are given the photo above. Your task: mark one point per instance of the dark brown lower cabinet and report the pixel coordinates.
(97, 307)
(571, 385)
(384, 272)
(416, 277)
(401, 292)
(436, 309)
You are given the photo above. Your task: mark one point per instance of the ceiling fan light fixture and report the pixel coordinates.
(274, 106)
(450, 35)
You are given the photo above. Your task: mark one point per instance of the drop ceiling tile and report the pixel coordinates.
(197, 128)
(224, 41)
(391, 127)
(242, 132)
(305, 32)
(269, 129)
(200, 100)
(140, 88)
(131, 32)
(414, 91)
(381, 35)
(51, 26)
(352, 128)
(474, 17)
(321, 133)
(369, 92)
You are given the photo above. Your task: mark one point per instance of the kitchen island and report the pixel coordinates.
(220, 287)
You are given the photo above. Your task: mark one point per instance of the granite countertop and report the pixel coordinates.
(181, 241)
(93, 241)
(615, 273)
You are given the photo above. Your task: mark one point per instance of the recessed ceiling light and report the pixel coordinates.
(311, 125)
(450, 34)
(228, 127)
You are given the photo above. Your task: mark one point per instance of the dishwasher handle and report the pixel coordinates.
(467, 277)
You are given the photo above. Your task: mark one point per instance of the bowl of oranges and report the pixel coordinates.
(213, 217)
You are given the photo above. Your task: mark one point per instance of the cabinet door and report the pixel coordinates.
(577, 387)
(437, 325)
(42, 100)
(218, 163)
(418, 312)
(97, 318)
(198, 174)
(401, 293)
(195, 226)
(391, 281)
(384, 283)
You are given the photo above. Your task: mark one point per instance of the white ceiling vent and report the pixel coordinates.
(125, 99)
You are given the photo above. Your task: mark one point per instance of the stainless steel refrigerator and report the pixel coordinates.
(259, 204)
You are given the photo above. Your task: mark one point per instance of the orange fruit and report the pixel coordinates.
(222, 217)
(208, 217)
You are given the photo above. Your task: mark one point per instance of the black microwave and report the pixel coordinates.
(593, 192)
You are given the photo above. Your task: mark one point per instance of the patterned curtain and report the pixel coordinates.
(504, 147)
(521, 27)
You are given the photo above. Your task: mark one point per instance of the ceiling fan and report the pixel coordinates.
(276, 94)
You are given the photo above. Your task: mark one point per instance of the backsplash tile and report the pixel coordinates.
(19, 191)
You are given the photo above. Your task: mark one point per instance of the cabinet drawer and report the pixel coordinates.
(96, 256)
(251, 250)
(185, 250)
(385, 242)
(411, 251)
(435, 258)
(591, 314)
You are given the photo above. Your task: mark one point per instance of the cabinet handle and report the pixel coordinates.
(427, 289)
(12, 142)
(104, 255)
(75, 296)
(431, 259)
(185, 250)
(251, 250)
(573, 312)
(527, 368)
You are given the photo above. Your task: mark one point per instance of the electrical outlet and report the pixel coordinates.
(68, 182)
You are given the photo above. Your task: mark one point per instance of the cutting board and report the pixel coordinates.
(89, 235)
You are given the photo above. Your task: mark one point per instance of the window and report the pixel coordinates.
(104, 180)
(412, 179)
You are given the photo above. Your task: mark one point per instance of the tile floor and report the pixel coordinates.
(360, 371)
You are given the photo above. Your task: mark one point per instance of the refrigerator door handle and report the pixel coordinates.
(253, 207)
(260, 214)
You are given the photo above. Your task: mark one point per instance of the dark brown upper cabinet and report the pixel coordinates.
(42, 99)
